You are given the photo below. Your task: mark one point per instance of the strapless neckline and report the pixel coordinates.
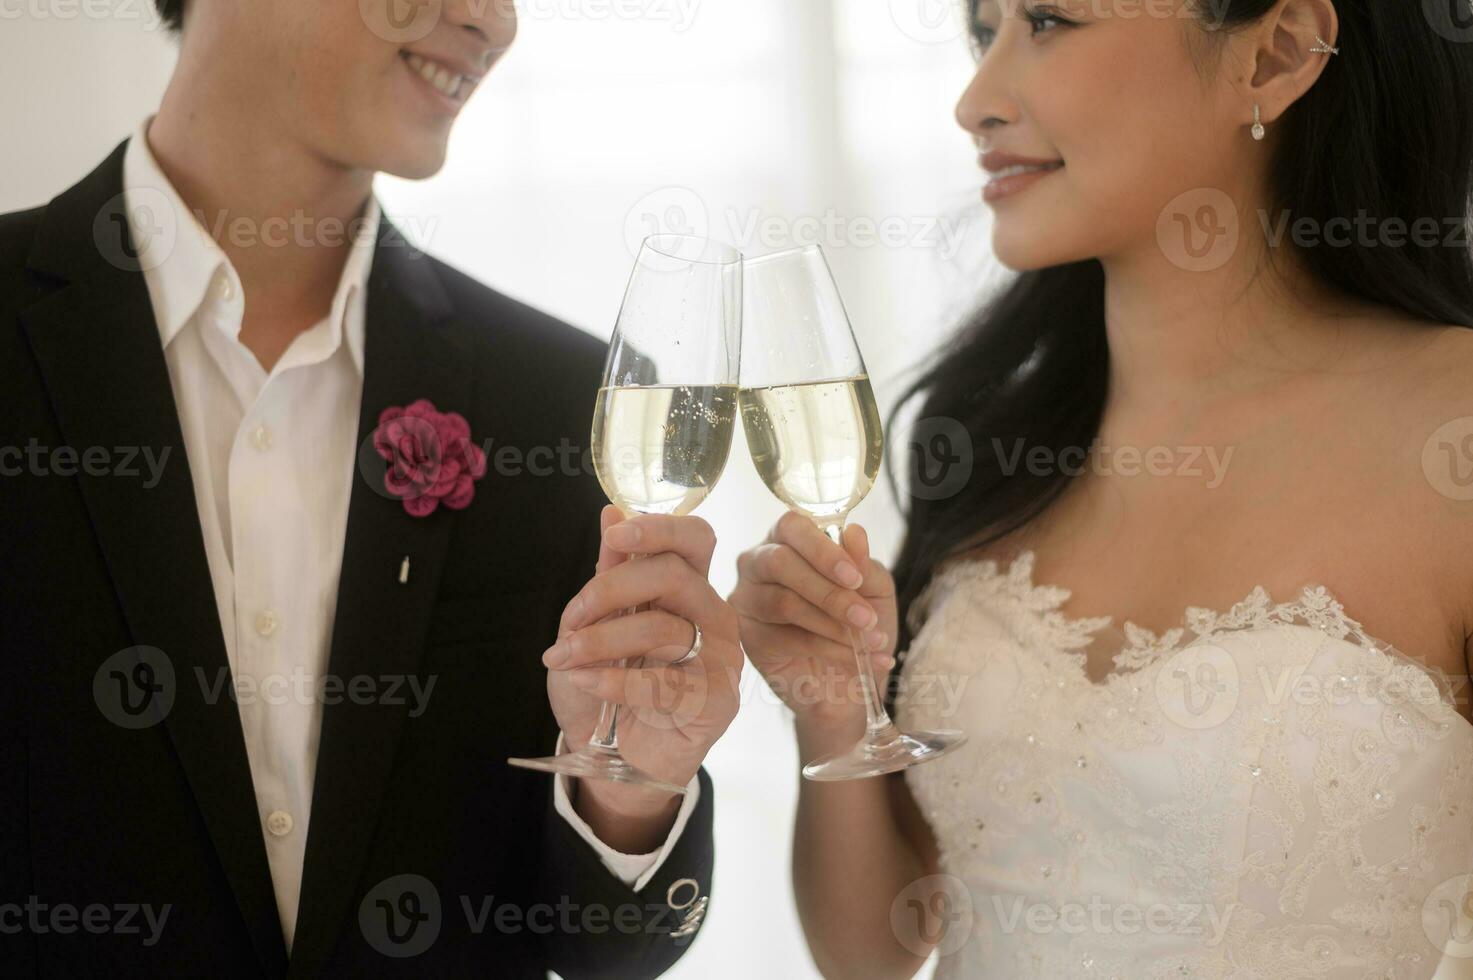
(1067, 635)
(1268, 768)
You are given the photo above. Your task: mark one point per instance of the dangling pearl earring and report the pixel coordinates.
(1257, 123)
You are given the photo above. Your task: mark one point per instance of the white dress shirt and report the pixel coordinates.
(272, 459)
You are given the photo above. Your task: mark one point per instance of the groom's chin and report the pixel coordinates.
(418, 164)
(410, 148)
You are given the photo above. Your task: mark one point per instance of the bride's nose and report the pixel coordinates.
(987, 102)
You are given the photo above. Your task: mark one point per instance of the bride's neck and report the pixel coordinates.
(1186, 344)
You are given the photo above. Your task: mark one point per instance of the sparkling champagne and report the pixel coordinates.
(818, 445)
(659, 449)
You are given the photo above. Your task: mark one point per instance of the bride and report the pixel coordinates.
(1198, 583)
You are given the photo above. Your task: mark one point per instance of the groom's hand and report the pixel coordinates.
(670, 716)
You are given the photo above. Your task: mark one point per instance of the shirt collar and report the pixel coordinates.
(181, 263)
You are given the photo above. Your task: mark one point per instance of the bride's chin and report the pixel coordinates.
(1027, 256)
(1028, 246)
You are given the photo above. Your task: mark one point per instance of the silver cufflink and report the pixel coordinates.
(694, 906)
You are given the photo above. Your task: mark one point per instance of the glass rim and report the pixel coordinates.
(811, 248)
(719, 252)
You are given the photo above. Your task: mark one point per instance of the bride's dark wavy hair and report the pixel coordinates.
(1387, 129)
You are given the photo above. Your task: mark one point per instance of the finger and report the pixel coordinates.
(648, 534)
(654, 635)
(668, 691)
(779, 605)
(804, 537)
(783, 565)
(665, 580)
(608, 557)
(783, 643)
(878, 582)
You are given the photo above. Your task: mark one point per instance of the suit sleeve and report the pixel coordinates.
(620, 932)
(18, 956)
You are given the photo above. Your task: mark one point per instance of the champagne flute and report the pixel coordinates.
(663, 421)
(814, 432)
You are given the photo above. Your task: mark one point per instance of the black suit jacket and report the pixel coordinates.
(427, 855)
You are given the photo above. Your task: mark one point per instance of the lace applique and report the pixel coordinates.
(1042, 603)
(1308, 825)
(981, 579)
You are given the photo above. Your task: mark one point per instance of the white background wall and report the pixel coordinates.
(760, 122)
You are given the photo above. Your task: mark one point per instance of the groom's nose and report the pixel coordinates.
(491, 23)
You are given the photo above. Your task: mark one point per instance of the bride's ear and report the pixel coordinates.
(1284, 55)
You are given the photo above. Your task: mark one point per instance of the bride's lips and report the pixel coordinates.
(1011, 174)
(448, 82)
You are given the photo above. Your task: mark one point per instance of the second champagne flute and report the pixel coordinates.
(814, 432)
(663, 421)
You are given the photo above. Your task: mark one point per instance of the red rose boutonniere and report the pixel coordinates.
(431, 457)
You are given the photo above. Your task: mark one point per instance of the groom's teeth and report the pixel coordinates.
(446, 82)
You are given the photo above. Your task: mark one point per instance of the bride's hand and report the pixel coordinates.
(796, 593)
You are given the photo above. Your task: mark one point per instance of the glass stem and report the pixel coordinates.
(878, 726)
(605, 736)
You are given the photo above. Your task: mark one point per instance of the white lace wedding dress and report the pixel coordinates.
(1262, 792)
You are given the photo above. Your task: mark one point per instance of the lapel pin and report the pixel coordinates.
(404, 571)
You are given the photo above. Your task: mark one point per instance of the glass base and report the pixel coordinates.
(591, 762)
(888, 750)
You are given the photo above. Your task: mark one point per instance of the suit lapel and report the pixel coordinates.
(411, 351)
(98, 348)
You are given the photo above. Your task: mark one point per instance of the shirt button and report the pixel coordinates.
(261, 438)
(266, 623)
(279, 823)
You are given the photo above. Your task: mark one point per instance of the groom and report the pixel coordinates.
(270, 619)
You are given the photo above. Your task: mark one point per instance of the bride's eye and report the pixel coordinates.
(1045, 18)
(982, 37)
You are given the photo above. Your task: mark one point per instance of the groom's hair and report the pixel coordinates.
(172, 13)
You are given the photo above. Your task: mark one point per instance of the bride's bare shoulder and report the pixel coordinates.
(1432, 419)
(1439, 380)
